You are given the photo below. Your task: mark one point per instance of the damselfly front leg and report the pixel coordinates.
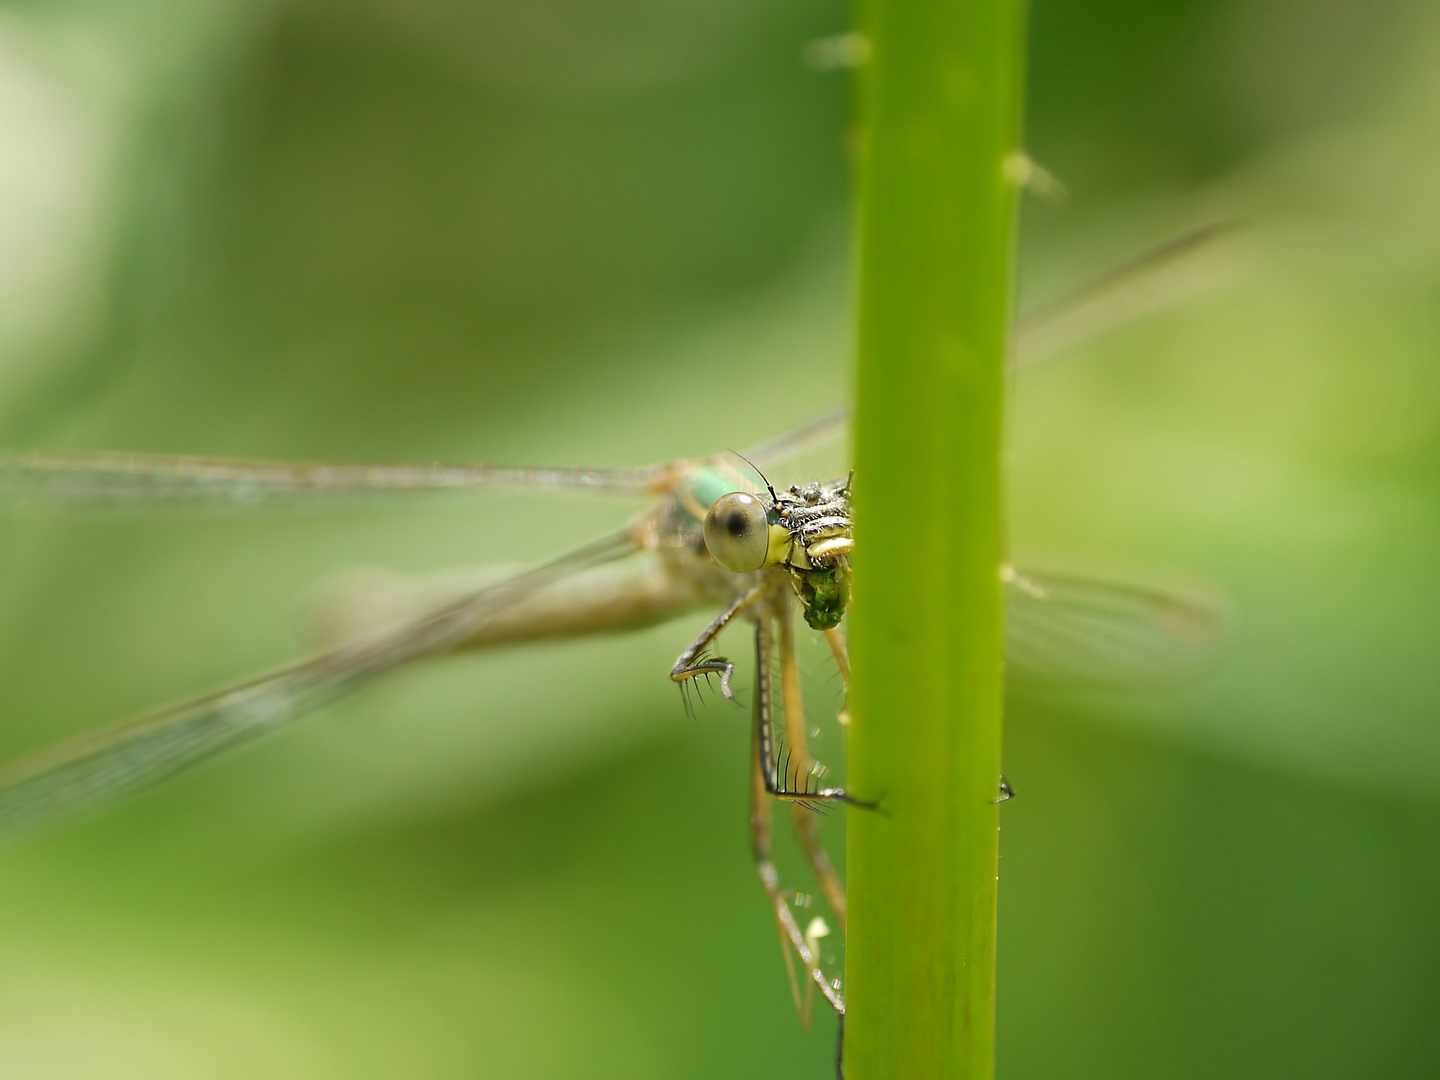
(696, 660)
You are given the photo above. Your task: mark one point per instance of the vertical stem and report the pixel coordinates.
(939, 123)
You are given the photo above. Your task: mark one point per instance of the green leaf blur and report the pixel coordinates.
(576, 233)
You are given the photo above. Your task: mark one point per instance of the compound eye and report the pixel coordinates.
(737, 532)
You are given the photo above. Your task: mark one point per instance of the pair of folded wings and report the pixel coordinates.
(1062, 630)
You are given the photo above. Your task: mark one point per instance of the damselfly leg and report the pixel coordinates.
(782, 780)
(761, 792)
(790, 776)
(696, 662)
(807, 827)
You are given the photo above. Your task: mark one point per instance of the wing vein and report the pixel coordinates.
(97, 767)
(111, 477)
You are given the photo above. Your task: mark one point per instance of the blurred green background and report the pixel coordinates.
(564, 232)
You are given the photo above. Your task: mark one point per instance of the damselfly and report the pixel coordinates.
(710, 537)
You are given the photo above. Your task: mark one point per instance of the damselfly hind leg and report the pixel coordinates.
(806, 825)
(791, 936)
(782, 778)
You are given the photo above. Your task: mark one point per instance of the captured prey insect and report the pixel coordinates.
(709, 538)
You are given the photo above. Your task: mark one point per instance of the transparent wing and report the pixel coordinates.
(813, 433)
(108, 477)
(1180, 268)
(1157, 278)
(112, 763)
(1166, 274)
(1070, 631)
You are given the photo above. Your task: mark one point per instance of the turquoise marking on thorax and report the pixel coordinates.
(705, 485)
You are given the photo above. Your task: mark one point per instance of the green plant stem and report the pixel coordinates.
(938, 131)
